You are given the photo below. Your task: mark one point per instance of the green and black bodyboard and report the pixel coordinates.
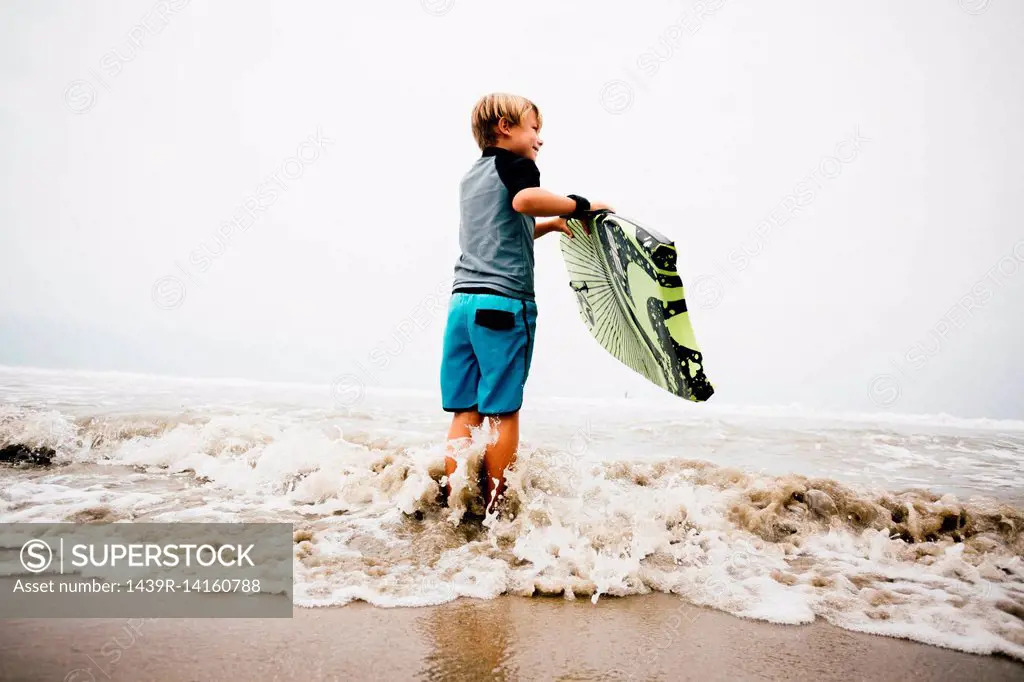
(632, 300)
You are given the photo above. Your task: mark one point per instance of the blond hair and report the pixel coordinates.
(492, 108)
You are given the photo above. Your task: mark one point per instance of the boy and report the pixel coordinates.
(488, 339)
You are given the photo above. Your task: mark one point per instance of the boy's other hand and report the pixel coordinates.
(594, 207)
(562, 225)
(552, 225)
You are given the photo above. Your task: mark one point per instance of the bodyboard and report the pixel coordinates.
(633, 302)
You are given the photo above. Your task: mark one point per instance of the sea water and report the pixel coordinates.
(903, 525)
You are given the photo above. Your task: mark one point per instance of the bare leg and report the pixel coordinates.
(462, 422)
(501, 454)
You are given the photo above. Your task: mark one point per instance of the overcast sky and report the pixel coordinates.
(843, 182)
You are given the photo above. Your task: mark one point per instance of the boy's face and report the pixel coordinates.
(522, 138)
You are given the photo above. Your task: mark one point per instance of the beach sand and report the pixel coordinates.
(652, 637)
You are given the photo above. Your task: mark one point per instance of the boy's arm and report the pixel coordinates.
(540, 203)
(541, 199)
(522, 180)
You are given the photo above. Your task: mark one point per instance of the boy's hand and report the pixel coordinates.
(562, 225)
(594, 206)
(551, 225)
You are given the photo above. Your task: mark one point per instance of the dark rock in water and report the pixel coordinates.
(19, 454)
(949, 523)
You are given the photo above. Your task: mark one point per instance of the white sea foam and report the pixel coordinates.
(783, 518)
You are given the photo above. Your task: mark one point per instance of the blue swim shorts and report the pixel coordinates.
(488, 346)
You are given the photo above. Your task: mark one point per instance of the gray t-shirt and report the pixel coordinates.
(496, 240)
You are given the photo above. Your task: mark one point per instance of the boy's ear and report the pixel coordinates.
(503, 127)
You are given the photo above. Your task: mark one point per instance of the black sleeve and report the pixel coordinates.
(517, 173)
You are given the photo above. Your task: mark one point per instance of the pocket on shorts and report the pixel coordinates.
(499, 320)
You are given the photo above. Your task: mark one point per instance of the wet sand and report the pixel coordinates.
(654, 637)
